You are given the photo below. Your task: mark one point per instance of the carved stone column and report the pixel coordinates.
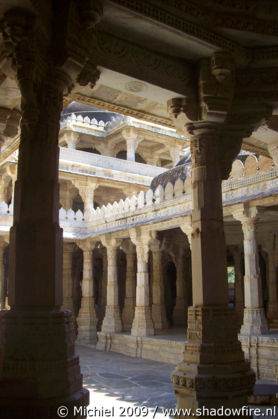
(87, 317)
(3, 245)
(86, 190)
(239, 283)
(142, 324)
(213, 372)
(132, 140)
(158, 304)
(112, 321)
(130, 287)
(254, 321)
(180, 309)
(272, 306)
(103, 285)
(71, 138)
(39, 370)
(68, 249)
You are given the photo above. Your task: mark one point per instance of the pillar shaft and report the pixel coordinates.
(213, 360)
(130, 290)
(87, 317)
(142, 324)
(158, 304)
(180, 309)
(272, 307)
(254, 321)
(112, 321)
(239, 283)
(2, 276)
(36, 337)
(68, 249)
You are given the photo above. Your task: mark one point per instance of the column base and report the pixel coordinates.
(180, 312)
(128, 314)
(213, 372)
(159, 317)
(142, 324)
(254, 322)
(112, 321)
(39, 370)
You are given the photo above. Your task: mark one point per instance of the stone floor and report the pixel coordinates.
(134, 387)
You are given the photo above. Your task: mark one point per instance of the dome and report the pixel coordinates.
(180, 171)
(86, 110)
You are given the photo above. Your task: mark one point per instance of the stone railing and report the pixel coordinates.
(151, 206)
(85, 122)
(97, 165)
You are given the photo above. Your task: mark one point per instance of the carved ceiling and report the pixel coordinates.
(147, 52)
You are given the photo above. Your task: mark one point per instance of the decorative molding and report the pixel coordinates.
(155, 11)
(121, 109)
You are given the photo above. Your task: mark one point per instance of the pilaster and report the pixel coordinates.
(254, 321)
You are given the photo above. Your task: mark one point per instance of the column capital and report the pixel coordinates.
(248, 216)
(71, 138)
(110, 242)
(86, 245)
(128, 247)
(142, 239)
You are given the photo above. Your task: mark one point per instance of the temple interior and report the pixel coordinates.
(138, 196)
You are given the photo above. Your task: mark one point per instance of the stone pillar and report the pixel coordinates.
(273, 151)
(86, 190)
(132, 141)
(3, 245)
(87, 316)
(112, 321)
(68, 249)
(130, 287)
(175, 154)
(142, 324)
(71, 138)
(158, 303)
(180, 309)
(39, 370)
(254, 321)
(272, 306)
(12, 172)
(213, 361)
(103, 285)
(239, 283)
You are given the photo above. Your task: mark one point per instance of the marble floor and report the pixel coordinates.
(122, 386)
